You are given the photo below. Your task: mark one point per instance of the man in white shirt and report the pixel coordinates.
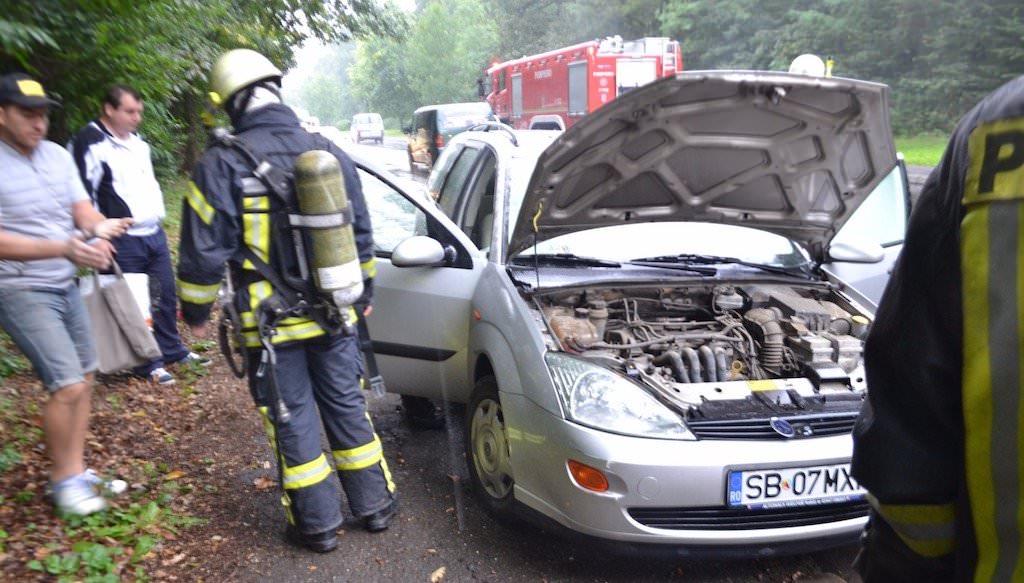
(115, 167)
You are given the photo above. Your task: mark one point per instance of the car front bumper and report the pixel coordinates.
(670, 492)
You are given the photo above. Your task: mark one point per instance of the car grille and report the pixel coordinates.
(820, 425)
(718, 518)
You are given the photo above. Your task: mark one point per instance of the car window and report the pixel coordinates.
(478, 215)
(393, 216)
(454, 182)
(463, 117)
(882, 217)
(439, 174)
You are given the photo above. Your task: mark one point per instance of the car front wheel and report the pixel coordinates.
(487, 450)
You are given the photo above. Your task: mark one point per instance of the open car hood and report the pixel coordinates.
(790, 154)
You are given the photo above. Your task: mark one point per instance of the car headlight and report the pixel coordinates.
(595, 396)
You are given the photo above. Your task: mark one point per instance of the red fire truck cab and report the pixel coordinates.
(575, 80)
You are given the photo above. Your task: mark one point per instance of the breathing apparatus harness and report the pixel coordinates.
(293, 296)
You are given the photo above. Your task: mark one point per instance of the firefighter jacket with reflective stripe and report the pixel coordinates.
(226, 207)
(939, 441)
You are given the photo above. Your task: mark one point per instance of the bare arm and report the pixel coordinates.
(94, 224)
(18, 248)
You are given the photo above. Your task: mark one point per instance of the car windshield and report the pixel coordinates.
(632, 241)
(464, 116)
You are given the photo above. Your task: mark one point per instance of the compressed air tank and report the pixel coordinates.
(323, 202)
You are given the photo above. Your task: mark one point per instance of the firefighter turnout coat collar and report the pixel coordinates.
(939, 442)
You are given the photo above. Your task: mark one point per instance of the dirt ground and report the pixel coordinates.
(193, 439)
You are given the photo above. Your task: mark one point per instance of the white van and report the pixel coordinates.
(367, 126)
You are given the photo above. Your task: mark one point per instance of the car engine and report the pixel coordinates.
(720, 352)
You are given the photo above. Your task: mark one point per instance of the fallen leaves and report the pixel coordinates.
(264, 483)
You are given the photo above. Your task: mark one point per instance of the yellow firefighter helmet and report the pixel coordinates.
(237, 69)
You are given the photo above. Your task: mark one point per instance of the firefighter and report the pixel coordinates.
(302, 353)
(938, 443)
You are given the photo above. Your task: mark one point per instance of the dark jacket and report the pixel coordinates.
(224, 210)
(936, 444)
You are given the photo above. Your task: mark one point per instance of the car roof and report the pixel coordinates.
(452, 106)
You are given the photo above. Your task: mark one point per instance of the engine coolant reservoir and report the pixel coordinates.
(571, 330)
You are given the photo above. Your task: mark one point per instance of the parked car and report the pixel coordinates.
(547, 122)
(367, 126)
(434, 125)
(636, 314)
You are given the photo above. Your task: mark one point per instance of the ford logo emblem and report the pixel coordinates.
(782, 427)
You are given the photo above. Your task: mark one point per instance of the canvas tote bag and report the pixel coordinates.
(123, 340)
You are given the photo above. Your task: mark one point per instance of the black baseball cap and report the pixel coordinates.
(20, 89)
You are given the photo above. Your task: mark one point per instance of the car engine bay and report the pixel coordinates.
(722, 352)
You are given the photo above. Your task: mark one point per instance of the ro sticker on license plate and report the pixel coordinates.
(804, 486)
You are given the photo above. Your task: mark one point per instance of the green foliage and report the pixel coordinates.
(165, 49)
(11, 361)
(9, 457)
(922, 150)
(106, 542)
(326, 92)
(378, 78)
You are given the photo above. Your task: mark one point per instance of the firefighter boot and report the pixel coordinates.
(381, 519)
(320, 542)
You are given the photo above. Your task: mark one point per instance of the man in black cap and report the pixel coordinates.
(48, 228)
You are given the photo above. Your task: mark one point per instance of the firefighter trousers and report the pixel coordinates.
(319, 381)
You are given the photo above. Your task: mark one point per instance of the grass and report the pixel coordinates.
(923, 150)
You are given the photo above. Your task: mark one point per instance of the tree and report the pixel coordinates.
(450, 46)
(378, 78)
(165, 48)
(326, 92)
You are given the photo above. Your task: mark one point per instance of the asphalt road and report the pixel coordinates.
(441, 526)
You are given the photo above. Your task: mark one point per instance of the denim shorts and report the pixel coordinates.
(51, 326)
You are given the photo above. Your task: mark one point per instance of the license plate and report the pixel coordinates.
(806, 486)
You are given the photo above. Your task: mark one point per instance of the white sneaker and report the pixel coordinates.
(160, 376)
(77, 495)
(112, 487)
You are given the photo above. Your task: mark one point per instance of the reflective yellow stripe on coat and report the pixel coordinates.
(927, 529)
(992, 266)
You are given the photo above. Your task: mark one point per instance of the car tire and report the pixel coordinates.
(487, 450)
(423, 413)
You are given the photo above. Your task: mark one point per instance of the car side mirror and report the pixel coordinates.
(407, 129)
(421, 251)
(856, 252)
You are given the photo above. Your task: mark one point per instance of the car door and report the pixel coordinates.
(420, 319)
(881, 219)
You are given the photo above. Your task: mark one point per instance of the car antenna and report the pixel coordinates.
(536, 262)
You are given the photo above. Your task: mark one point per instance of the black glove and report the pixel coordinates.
(367, 298)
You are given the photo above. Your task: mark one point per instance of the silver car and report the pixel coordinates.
(636, 313)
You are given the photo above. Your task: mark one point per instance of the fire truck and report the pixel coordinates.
(554, 89)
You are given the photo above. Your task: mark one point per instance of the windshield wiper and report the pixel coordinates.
(687, 259)
(567, 259)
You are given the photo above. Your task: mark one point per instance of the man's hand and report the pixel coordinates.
(80, 253)
(112, 228)
(200, 331)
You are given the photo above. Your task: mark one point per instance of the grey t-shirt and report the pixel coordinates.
(36, 195)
